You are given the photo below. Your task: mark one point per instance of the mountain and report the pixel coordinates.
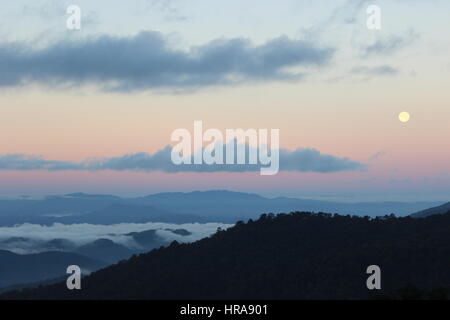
(228, 206)
(178, 207)
(432, 211)
(288, 256)
(149, 239)
(180, 232)
(16, 268)
(73, 203)
(27, 245)
(58, 245)
(126, 213)
(214, 206)
(50, 209)
(105, 250)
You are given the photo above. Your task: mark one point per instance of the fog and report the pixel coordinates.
(30, 238)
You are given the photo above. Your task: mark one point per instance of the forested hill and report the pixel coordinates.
(442, 209)
(289, 256)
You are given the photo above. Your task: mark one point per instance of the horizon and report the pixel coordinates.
(341, 199)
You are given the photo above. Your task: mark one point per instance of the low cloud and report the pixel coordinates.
(303, 159)
(31, 238)
(148, 61)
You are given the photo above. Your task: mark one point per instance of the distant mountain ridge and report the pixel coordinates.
(225, 204)
(125, 212)
(443, 209)
(178, 207)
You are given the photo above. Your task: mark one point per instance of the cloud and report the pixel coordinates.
(44, 10)
(30, 162)
(390, 45)
(400, 181)
(347, 13)
(168, 8)
(147, 61)
(311, 160)
(52, 10)
(30, 238)
(383, 70)
(303, 159)
(377, 155)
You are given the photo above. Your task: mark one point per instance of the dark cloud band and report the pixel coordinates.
(305, 160)
(147, 61)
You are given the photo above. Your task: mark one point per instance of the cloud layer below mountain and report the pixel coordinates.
(28, 237)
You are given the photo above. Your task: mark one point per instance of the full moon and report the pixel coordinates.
(404, 117)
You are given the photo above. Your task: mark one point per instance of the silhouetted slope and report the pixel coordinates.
(16, 268)
(432, 211)
(32, 284)
(294, 256)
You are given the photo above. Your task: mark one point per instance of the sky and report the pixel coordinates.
(93, 109)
